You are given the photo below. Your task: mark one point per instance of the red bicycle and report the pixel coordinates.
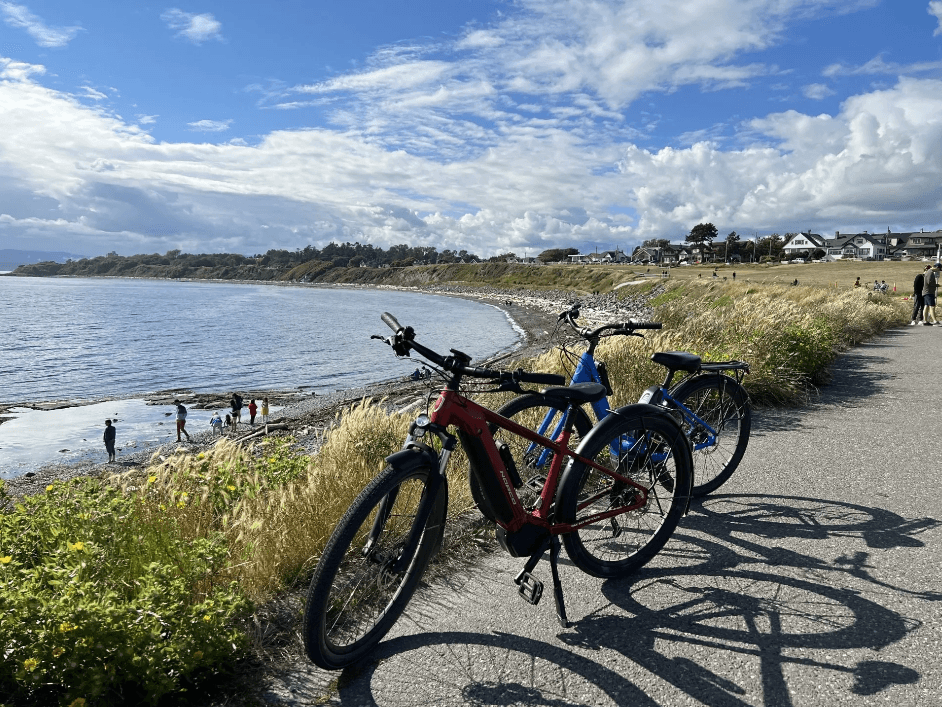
(615, 501)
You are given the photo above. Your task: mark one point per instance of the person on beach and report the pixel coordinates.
(857, 283)
(109, 437)
(181, 421)
(929, 287)
(253, 408)
(216, 424)
(265, 410)
(236, 404)
(918, 301)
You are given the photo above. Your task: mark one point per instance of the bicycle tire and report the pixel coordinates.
(645, 444)
(529, 411)
(723, 404)
(354, 599)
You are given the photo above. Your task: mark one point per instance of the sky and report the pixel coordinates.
(492, 126)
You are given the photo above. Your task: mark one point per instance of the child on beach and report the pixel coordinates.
(264, 409)
(253, 408)
(109, 437)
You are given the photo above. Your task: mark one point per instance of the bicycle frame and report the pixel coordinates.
(587, 372)
(453, 409)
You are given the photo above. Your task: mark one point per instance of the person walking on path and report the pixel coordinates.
(181, 421)
(918, 301)
(253, 408)
(109, 437)
(236, 405)
(929, 288)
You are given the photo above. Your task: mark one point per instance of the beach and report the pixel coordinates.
(305, 416)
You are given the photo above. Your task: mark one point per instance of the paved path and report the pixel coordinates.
(810, 578)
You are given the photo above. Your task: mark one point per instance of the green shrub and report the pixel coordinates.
(102, 606)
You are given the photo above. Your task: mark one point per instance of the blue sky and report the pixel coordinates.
(488, 125)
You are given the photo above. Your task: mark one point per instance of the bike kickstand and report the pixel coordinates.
(557, 585)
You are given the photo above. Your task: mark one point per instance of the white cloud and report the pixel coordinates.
(878, 66)
(210, 126)
(194, 28)
(817, 91)
(935, 9)
(20, 17)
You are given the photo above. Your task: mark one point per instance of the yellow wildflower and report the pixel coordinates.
(78, 547)
(7, 559)
(30, 664)
(151, 479)
(49, 487)
(57, 651)
(201, 456)
(207, 618)
(66, 627)
(231, 487)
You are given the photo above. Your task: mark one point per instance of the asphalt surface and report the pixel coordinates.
(810, 578)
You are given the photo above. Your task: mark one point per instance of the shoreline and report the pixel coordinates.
(534, 313)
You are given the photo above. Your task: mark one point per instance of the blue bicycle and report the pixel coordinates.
(711, 406)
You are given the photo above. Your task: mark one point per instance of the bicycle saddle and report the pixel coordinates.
(577, 392)
(677, 360)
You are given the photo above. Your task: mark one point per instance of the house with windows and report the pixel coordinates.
(862, 246)
(671, 254)
(914, 246)
(802, 245)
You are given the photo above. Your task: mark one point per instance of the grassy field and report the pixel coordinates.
(841, 274)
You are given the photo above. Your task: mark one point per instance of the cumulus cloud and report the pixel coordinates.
(20, 17)
(194, 28)
(935, 9)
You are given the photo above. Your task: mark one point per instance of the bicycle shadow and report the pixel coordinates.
(721, 586)
(465, 668)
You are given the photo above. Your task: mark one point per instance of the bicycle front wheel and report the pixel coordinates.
(646, 445)
(362, 584)
(723, 404)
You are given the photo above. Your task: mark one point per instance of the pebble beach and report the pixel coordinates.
(304, 416)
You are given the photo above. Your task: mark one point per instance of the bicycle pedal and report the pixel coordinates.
(529, 587)
(536, 483)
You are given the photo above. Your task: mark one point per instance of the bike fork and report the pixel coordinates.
(531, 589)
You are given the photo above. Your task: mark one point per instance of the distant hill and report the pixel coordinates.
(11, 259)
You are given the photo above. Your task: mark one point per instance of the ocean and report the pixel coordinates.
(89, 340)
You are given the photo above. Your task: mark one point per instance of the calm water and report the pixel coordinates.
(89, 339)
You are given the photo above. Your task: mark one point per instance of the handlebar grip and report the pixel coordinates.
(390, 321)
(643, 325)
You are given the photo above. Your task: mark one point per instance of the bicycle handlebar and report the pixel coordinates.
(627, 328)
(404, 340)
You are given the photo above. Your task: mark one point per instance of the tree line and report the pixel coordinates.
(270, 265)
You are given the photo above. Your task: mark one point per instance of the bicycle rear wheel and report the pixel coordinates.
(646, 445)
(543, 415)
(357, 593)
(723, 404)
